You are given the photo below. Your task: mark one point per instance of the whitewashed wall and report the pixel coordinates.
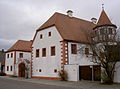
(76, 60)
(9, 62)
(73, 72)
(117, 73)
(49, 63)
(26, 55)
(80, 58)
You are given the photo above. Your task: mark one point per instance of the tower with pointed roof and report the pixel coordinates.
(104, 30)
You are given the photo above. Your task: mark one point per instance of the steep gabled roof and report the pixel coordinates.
(70, 28)
(104, 19)
(21, 45)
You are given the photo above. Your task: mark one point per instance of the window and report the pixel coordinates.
(11, 55)
(37, 52)
(73, 48)
(53, 51)
(40, 70)
(49, 33)
(55, 70)
(10, 68)
(96, 32)
(41, 36)
(43, 52)
(86, 51)
(7, 68)
(100, 37)
(7, 55)
(101, 31)
(20, 55)
(110, 30)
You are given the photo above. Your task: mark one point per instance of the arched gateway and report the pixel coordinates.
(21, 70)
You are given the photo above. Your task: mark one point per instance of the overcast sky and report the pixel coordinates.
(19, 19)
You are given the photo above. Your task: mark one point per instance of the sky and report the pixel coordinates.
(19, 19)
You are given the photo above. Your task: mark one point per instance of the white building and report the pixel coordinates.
(55, 47)
(18, 59)
(60, 44)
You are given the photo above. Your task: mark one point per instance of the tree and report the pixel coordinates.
(105, 51)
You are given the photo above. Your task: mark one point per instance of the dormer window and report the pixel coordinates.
(41, 36)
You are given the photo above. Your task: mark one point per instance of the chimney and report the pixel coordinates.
(94, 20)
(70, 13)
(2, 50)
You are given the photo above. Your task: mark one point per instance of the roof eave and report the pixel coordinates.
(18, 50)
(104, 25)
(83, 42)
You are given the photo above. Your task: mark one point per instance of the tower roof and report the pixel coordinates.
(104, 19)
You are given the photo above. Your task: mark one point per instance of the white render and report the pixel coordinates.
(10, 62)
(80, 58)
(117, 73)
(26, 56)
(49, 63)
(73, 72)
(76, 60)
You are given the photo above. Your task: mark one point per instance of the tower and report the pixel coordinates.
(104, 29)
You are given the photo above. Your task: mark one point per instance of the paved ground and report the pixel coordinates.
(54, 84)
(13, 84)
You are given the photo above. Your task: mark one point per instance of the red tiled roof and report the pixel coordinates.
(70, 28)
(104, 19)
(21, 45)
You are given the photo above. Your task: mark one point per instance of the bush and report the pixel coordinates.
(63, 74)
(106, 79)
(2, 74)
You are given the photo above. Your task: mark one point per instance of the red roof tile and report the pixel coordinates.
(104, 19)
(21, 45)
(70, 28)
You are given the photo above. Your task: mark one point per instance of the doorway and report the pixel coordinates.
(21, 70)
(85, 73)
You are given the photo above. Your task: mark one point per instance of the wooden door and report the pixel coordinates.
(22, 70)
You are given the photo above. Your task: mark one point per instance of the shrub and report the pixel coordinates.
(106, 79)
(63, 75)
(2, 74)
